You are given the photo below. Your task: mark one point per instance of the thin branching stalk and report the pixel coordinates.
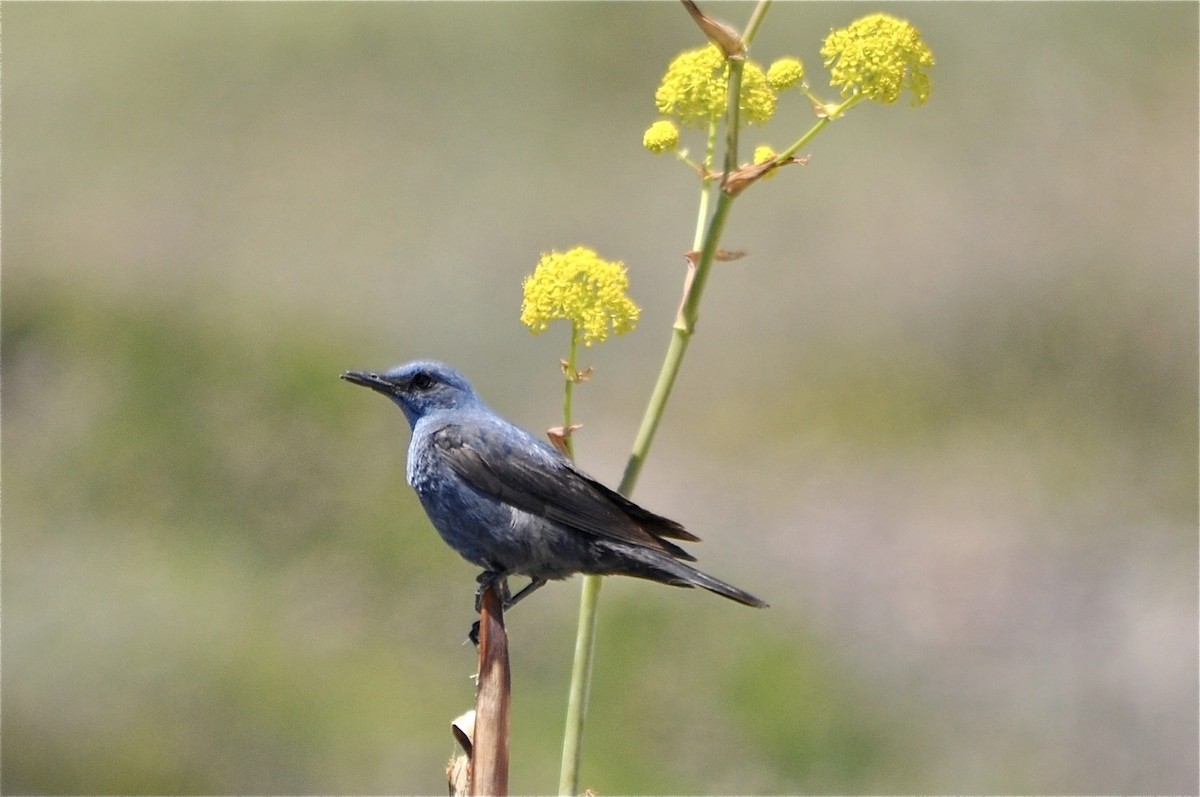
(708, 236)
(581, 669)
(876, 57)
(581, 680)
(755, 21)
(571, 373)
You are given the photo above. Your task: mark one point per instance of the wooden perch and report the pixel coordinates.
(489, 756)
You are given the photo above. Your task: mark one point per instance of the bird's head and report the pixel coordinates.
(420, 388)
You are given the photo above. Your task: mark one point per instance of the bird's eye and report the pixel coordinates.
(422, 381)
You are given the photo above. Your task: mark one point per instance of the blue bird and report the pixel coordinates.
(511, 504)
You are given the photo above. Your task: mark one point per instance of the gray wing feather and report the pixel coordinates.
(543, 483)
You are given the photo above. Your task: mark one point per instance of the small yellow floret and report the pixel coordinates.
(785, 73)
(762, 154)
(879, 56)
(662, 136)
(578, 286)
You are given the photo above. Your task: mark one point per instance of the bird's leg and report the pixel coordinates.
(534, 584)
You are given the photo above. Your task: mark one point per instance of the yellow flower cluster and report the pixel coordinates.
(578, 286)
(756, 103)
(694, 89)
(878, 56)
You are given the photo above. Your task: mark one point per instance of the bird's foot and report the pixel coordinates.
(492, 578)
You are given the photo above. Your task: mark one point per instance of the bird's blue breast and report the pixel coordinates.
(452, 506)
(479, 526)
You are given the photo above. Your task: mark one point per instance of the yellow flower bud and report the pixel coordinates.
(762, 154)
(662, 136)
(785, 73)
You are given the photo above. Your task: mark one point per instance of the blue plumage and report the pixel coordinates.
(511, 504)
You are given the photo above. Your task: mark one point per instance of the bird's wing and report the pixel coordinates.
(523, 474)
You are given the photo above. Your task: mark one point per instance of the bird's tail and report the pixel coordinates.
(668, 570)
(695, 578)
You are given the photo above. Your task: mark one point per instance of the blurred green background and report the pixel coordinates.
(943, 416)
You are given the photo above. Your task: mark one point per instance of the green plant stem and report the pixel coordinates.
(571, 373)
(821, 124)
(732, 117)
(681, 334)
(581, 681)
(702, 205)
(756, 18)
(585, 634)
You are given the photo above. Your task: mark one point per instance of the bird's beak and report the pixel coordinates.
(369, 379)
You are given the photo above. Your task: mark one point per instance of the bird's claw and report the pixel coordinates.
(489, 578)
(492, 578)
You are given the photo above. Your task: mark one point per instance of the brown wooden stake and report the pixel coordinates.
(489, 760)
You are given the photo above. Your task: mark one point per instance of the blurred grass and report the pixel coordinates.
(195, 489)
(1092, 375)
